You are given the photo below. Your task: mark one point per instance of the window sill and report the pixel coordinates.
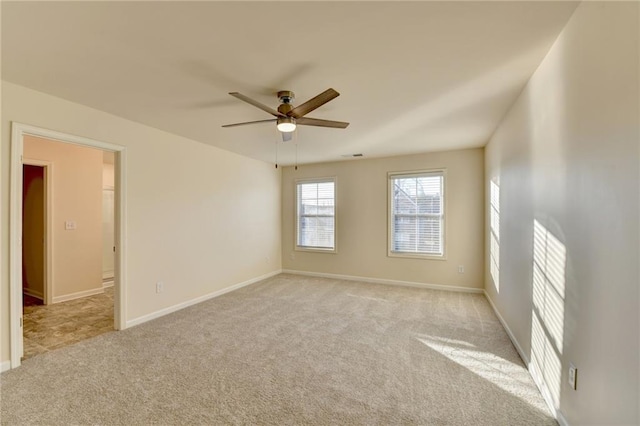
(316, 250)
(417, 256)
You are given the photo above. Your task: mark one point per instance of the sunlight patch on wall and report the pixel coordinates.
(547, 325)
(494, 253)
(545, 361)
(549, 258)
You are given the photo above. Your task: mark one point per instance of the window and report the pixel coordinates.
(416, 214)
(316, 214)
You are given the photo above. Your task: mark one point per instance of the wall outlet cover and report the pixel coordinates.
(573, 376)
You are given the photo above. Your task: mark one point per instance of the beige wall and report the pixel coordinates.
(200, 219)
(76, 196)
(362, 220)
(566, 162)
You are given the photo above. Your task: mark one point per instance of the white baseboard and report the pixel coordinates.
(525, 358)
(107, 284)
(5, 366)
(78, 295)
(542, 387)
(33, 293)
(385, 281)
(560, 418)
(179, 306)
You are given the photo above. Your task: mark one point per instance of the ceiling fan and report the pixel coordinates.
(288, 116)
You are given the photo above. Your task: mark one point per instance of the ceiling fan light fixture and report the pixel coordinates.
(286, 124)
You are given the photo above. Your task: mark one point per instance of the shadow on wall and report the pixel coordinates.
(547, 322)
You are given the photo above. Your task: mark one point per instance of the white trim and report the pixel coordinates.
(33, 293)
(319, 249)
(107, 284)
(409, 255)
(386, 281)
(546, 394)
(109, 274)
(18, 131)
(330, 250)
(120, 241)
(78, 295)
(48, 260)
(542, 387)
(438, 171)
(561, 419)
(64, 137)
(179, 306)
(15, 247)
(521, 352)
(5, 366)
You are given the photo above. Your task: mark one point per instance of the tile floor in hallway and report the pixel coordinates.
(49, 327)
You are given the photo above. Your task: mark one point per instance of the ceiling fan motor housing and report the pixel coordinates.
(285, 97)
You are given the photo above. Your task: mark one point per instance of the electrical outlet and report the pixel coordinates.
(159, 287)
(70, 225)
(267, 259)
(293, 256)
(461, 269)
(573, 376)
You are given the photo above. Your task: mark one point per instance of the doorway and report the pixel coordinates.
(34, 214)
(81, 303)
(21, 198)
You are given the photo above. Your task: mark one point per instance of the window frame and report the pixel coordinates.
(391, 176)
(297, 247)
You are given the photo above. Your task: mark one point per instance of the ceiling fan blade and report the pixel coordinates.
(313, 103)
(256, 104)
(286, 136)
(271, 120)
(307, 121)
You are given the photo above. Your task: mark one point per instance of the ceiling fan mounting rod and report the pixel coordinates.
(286, 96)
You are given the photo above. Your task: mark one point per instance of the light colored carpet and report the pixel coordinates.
(289, 350)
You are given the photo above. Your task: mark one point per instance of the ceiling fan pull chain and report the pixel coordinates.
(295, 141)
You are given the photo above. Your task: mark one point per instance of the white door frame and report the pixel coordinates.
(48, 225)
(111, 189)
(18, 131)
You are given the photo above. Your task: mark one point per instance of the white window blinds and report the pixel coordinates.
(316, 214)
(417, 213)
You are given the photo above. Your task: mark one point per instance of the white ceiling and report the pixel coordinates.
(413, 77)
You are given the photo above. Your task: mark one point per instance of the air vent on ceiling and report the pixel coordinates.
(352, 155)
